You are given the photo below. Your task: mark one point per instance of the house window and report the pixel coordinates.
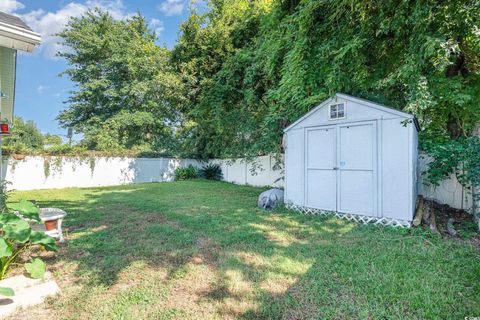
(337, 111)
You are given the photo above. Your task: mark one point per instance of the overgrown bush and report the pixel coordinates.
(186, 173)
(211, 171)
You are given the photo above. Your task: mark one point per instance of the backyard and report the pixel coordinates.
(202, 250)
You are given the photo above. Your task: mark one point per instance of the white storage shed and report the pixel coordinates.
(354, 158)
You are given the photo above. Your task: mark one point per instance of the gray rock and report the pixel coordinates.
(270, 199)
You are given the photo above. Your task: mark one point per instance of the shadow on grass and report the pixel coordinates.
(293, 266)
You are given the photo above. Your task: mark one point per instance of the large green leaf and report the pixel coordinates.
(7, 292)
(5, 249)
(36, 268)
(27, 209)
(18, 230)
(7, 218)
(46, 241)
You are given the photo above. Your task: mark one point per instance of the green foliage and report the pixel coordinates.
(125, 85)
(6, 292)
(273, 65)
(461, 156)
(52, 139)
(4, 194)
(61, 149)
(36, 268)
(46, 167)
(211, 171)
(25, 136)
(468, 230)
(26, 208)
(186, 173)
(16, 237)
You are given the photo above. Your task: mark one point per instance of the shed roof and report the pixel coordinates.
(360, 101)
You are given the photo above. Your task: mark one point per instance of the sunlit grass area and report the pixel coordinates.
(202, 250)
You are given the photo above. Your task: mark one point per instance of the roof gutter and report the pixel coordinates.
(18, 38)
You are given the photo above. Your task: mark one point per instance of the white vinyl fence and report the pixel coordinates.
(62, 172)
(263, 171)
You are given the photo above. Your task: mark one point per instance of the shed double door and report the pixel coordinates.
(341, 168)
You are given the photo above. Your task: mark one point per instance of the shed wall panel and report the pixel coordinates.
(294, 168)
(396, 173)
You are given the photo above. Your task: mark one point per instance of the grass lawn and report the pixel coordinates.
(202, 250)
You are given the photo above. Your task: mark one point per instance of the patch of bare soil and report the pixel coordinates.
(459, 218)
(188, 291)
(209, 251)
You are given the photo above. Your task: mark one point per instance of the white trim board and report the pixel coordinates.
(18, 38)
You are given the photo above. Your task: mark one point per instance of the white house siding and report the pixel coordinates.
(7, 80)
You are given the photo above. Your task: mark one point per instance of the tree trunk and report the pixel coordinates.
(433, 222)
(419, 213)
(450, 228)
(458, 68)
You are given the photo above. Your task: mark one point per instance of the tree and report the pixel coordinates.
(25, 136)
(214, 125)
(126, 93)
(272, 66)
(52, 139)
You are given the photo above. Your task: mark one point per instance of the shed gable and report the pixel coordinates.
(355, 110)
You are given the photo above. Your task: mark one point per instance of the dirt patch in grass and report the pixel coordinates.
(187, 291)
(209, 251)
(463, 222)
(277, 286)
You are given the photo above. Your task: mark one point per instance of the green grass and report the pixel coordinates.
(202, 250)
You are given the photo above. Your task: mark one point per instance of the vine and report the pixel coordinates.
(46, 167)
(92, 163)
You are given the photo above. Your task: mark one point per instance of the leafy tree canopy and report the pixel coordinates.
(126, 94)
(52, 139)
(242, 71)
(253, 67)
(24, 136)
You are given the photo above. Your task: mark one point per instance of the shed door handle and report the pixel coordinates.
(335, 168)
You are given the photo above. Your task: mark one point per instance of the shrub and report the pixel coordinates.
(182, 173)
(211, 171)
